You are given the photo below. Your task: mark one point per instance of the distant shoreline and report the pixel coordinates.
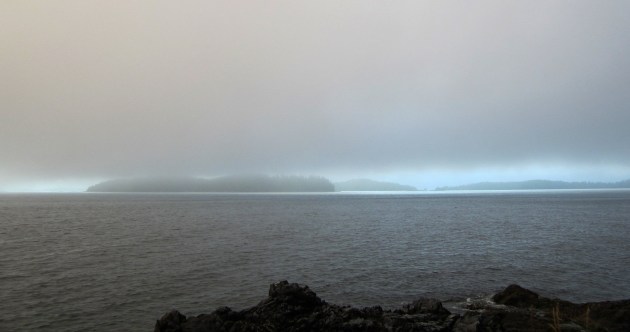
(251, 184)
(341, 193)
(538, 185)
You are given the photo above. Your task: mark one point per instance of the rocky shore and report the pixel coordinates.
(292, 307)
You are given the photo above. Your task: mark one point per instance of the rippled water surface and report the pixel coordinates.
(117, 262)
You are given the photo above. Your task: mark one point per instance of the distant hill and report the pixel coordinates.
(538, 184)
(233, 183)
(371, 185)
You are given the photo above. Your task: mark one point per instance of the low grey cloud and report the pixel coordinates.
(106, 89)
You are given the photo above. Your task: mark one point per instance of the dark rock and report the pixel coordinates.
(291, 307)
(598, 316)
(293, 295)
(170, 322)
(527, 308)
(512, 320)
(467, 323)
(427, 306)
(516, 296)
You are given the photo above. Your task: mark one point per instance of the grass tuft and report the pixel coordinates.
(555, 316)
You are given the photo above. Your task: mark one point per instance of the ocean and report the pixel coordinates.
(117, 262)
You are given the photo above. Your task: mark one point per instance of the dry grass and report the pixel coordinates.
(555, 316)
(587, 317)
(556, 319)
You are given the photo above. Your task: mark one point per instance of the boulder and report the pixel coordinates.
(516, 296)
(170, 322)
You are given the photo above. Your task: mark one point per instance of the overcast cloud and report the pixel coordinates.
(402, 89)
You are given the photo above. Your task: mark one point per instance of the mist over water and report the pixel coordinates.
(111, 262)
(91, 91)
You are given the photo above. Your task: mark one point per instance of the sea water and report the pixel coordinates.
(117, 262)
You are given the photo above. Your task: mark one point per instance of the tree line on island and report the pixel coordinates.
(371, 185)
(232, 183)
(244, 183)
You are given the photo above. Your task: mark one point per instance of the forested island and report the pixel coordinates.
(538, 185)
(232, 183)
(243, 183)
(371, 185)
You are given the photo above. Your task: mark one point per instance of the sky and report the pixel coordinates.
(427, 93)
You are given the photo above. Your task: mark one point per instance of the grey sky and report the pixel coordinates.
(421, 91)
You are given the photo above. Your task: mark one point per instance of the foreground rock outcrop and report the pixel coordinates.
(291, 307)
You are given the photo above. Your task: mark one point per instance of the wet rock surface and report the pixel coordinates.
(293, 307)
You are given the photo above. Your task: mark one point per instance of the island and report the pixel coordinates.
(538, 185)
(232, 183)
(371, 185)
